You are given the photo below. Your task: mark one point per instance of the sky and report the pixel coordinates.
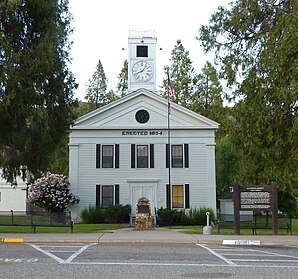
(101, 30)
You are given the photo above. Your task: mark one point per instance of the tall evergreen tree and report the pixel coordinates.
(256, 44)
(122, 85)
(207, 98)
(96, 92)
(182, 74)
(36, 87)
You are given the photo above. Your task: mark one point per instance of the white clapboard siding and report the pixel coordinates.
(116, 124)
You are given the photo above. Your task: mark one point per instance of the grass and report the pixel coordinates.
(78, 228)
(108, 228)
(199, 230)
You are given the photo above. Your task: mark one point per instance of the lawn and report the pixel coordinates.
(109, 228)
(199, 230)
(78, 228)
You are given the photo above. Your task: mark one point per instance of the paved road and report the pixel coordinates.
(145, 260)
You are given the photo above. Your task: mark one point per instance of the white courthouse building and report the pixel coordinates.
(133, 148)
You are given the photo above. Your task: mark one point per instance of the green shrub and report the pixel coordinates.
(170, 217)
(92, 215)
(117, 214)
(197, 216)
(111, 214)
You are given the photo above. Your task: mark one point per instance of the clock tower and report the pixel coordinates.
(141, 60)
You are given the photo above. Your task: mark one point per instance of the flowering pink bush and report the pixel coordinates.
(51, 192)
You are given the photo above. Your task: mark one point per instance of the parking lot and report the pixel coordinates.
(129, 260)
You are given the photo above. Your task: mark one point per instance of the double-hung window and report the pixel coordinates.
(142, 156)
(177, 156)
(107, 156)
(177, 196)
(107, 195)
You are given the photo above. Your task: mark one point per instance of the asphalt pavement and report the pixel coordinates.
(158, 235)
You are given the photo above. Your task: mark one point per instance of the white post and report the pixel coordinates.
(207, 229)
(207, 213)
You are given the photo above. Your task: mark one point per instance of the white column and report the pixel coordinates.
(211, 177)
(73, 173)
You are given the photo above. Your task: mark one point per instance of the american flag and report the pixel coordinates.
(170, 89)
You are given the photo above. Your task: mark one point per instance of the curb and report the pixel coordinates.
(12, 240)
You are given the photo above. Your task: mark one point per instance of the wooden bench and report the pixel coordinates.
(230, 225)
(258, 223)
(284, 223)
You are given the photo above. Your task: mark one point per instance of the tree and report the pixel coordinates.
(51, 192)
(182, 74)
(256, 45)
(111, 96)
(228, 165)
(287, 202)
(36, 87)
(122, 85)
(207, 98)
(96, 92)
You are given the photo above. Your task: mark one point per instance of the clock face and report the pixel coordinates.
(142, 71)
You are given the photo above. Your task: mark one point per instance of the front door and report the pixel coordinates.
(139, 192)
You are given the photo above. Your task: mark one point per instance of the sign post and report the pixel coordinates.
(236, 199)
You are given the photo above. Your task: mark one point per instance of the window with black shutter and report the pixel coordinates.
(142, 156)
(107, 156)
(177, 155)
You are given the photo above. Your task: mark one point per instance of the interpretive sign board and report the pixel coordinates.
(255, 198)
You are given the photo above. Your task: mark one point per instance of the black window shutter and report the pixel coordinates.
(186, 156)
(116, 193)
(117, 156)
(151, 155)
(168, 196)
(133, 156)
(187, 205)
(97, 156)
(167, 155)
(97, 195)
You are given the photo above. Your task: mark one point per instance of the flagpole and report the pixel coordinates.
(170, 94)
(169, 141)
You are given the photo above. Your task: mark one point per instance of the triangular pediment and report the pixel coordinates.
(121, 114)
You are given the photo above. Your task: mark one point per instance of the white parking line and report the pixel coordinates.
(261, 260)
(62, 251)
(58, 259)
(185, 264)
(275, 254)
(217, 255)
(58, 246)
(247, 254)
(73, 256)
